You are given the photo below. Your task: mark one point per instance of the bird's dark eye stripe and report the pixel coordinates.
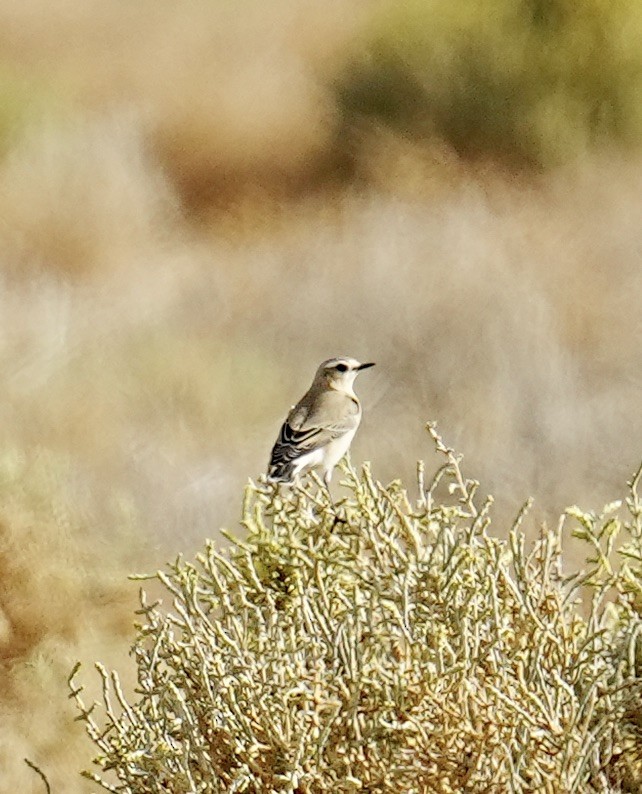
(342, 368)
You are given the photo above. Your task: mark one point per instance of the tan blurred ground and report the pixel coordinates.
(182, 243)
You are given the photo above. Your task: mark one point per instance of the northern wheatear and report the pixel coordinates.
(321, 426)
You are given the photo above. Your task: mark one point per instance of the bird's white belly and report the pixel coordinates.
(312, 460)
(325, 458)
(336, 449)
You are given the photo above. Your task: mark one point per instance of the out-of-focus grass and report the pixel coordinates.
(63, 593)
(235, 98)
(83, 196)
(21, 99)
(537, 81)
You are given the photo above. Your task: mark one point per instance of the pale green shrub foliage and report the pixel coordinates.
(530, 81)
(401, 648)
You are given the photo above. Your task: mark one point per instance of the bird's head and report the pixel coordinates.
(339, 373)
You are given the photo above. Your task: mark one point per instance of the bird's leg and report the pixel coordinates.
(327, 476)
(337, 518)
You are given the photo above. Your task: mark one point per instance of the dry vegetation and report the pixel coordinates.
(195, 209)
(388, 645)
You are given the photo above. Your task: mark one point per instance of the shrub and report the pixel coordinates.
(539, 81)
(389, 644)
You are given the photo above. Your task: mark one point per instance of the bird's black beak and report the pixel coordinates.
(365, 366)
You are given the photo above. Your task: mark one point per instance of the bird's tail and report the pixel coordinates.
(280, 472)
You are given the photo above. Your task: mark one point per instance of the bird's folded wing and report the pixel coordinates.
(301, 434)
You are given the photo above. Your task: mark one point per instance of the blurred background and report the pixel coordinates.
(201, 201)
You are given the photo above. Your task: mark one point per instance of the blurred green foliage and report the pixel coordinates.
(21, 98)
(536, 81)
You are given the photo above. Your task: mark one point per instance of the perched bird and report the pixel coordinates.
(321, 426)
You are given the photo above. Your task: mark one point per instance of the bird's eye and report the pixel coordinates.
(342, 368)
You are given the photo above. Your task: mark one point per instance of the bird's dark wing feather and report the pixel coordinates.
(295, 439)
(301, 434)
